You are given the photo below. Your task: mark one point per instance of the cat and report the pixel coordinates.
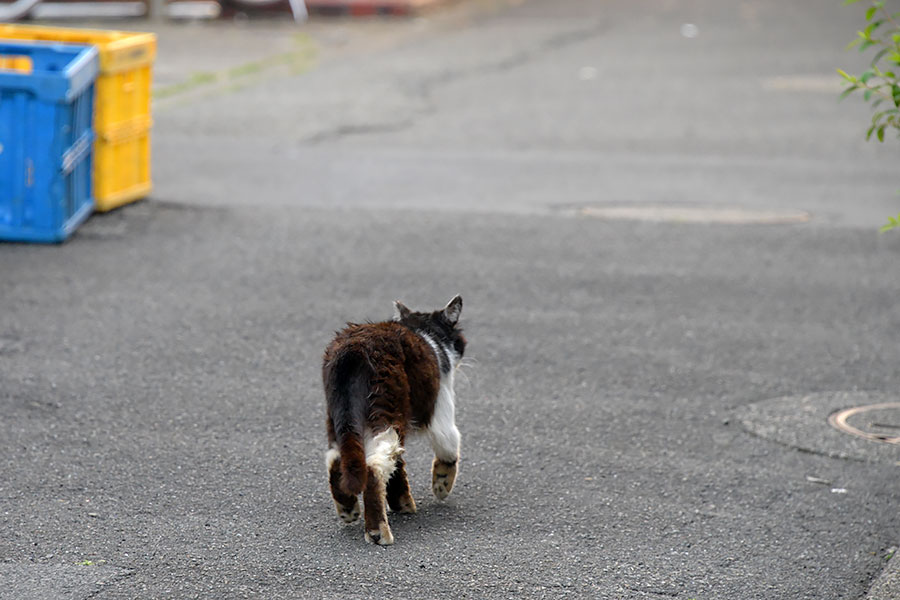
(384, 381)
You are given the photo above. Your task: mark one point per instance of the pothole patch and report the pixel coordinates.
(811, 423)
(673, 213)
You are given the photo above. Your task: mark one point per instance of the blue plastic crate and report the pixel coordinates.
(46, 139)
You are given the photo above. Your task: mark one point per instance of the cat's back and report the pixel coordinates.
(394, 359)
(379, 343)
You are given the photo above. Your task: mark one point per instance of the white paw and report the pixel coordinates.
(441, 488)
(382, 536)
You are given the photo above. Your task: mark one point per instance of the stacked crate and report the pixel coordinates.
(122, 118)
(46, 137)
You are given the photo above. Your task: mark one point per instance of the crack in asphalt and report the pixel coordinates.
(653, 592)
(424, 88)
(521, 58)
(348, 130)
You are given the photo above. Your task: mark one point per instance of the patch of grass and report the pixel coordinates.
(299, 60)
(246, 69)
(195, 80)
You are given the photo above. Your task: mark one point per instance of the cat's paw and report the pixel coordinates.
(381, 536)
(403, 504)
(348, 515)
(441, 489)
(443, 474)
(406, 505)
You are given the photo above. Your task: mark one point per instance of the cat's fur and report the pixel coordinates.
(382, 382)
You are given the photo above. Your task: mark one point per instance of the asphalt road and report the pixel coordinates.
(162, 431)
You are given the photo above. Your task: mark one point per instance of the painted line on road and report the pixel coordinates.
(673, 213)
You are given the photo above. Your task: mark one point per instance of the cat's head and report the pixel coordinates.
(441, 325)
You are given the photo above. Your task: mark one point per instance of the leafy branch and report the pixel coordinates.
(879, 84)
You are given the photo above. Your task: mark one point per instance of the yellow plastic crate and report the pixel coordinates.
(122, 118)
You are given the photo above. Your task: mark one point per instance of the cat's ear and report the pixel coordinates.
(453, 309)
(400, 311)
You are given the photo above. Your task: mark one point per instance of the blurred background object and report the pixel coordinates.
(205, 9)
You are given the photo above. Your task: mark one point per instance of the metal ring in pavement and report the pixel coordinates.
(838, 420)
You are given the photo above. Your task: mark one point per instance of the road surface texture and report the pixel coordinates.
(644, 415)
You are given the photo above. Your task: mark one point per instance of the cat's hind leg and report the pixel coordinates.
(399, 496)
(377, 529)
(347, 506)
(382, 454)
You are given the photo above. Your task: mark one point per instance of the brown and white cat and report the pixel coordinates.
(384, 381)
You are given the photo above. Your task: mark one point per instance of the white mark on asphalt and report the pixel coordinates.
(690, 31)
(817, 84)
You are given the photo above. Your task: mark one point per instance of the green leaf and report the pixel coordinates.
(847, 92)
(871, 12)
(852, 44)
(881, 133)
(866, 76)
(870, 29)
(878, 56)
(846, 76)
(870, 132)
(867, 95)
(892, 223)
(895, 92)
(866, 45)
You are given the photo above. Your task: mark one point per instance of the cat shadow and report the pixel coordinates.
(431, 517)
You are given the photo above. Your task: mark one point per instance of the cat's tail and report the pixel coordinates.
(347, 388)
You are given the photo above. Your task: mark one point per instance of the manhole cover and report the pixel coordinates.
(803, 422)
(668, 213)
(875, 422)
